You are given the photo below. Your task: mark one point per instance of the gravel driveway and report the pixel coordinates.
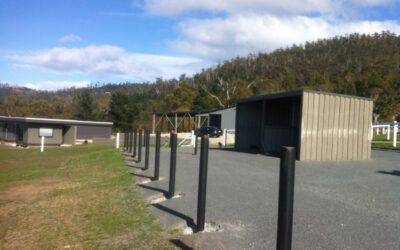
(338, 205)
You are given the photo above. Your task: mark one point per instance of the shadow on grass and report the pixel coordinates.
(164, 192)
(132, 166)
(179, 244)
(143, 176)
(394, 172)
(189, 221)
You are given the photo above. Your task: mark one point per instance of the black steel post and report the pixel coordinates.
(286, 193)
(130, 141)
(201, 199)
(139, 159)
(147, 152)
(195, 145)
(172, 166)
(157, 157)
(134, 143)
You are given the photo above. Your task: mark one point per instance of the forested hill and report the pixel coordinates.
(363, 65)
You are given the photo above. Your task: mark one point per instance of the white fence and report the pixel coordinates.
(227, 135)
(387, 129)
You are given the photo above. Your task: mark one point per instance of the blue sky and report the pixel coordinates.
(54, 44)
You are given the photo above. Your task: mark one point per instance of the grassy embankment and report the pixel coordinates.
(76, 197)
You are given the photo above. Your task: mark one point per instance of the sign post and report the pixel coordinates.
(42, 144)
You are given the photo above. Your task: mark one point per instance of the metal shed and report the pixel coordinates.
(223, 118)
(322, 126)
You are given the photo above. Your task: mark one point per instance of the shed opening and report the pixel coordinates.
(281, 124)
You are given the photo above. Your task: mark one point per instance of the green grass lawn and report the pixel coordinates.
(76, 197)
(379, 141)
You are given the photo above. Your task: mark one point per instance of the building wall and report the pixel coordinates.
(88, 132)
(69, 134)
(2, 130)
(228, 117)
(335, 127)
(33, 134)
(9, 131)
(248, 125)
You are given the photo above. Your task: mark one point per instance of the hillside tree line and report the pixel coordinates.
(361, 65)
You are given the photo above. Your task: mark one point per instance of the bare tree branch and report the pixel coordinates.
(216, 97)
(249, 85)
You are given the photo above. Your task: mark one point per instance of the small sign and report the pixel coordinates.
(48, 132)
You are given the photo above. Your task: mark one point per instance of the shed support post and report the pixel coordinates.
(198, 121)
(154, 123)
(262, 125)
(176, 122)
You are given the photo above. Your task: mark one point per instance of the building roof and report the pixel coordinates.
(180, 113)
(213, 111)
(292, 94)
(53, 121)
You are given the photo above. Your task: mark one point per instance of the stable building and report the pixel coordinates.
(322, 126)
(222, 119)
(28, 131)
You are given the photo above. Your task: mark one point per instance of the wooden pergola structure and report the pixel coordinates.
(180, 121)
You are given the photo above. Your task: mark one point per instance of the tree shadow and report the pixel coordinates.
(394, 172)
(189, 221)
(179, 244)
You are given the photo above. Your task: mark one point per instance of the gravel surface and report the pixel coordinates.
(338, 205)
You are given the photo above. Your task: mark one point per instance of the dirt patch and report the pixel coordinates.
(24, 192)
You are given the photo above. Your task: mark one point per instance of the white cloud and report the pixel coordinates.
(55, 85)
(223, 38)
(280, 7)
(107, 61)
(176, 7)
(69, 39)
(374, 2)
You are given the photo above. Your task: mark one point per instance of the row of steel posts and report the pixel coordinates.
(286, 180)
(130, 145)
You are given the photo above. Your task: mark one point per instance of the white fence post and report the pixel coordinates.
(193, 138)
(117, 141)
(372, 132)
(388, 133)
(377, 131)
(42, 144)
(395, 129)
(225, 137)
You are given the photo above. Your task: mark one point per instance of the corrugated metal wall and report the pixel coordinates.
(248, 125)
(335, 127)
(228, 117)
